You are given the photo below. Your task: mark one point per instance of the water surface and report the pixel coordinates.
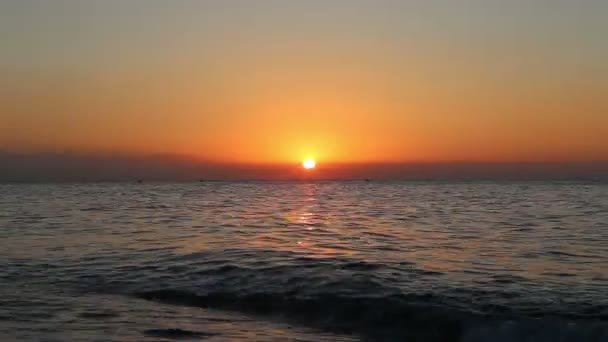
(334, 261)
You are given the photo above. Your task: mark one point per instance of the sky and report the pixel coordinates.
(277, 81)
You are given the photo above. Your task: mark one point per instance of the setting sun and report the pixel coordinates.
(309, 164)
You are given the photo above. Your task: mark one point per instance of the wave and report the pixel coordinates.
(390, 318)
(178, 334)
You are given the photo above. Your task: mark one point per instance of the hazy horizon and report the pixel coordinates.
(71, 167)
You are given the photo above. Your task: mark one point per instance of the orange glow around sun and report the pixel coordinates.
(309, 164)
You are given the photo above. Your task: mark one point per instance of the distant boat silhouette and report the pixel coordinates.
(139, 181)
(367, 180)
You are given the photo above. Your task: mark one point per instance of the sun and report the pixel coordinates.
(309, 164)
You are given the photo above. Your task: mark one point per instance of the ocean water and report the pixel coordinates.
(319, 261)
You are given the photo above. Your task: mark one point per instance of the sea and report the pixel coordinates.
(304, 261)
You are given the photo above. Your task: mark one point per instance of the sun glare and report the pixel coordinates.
(309, 164)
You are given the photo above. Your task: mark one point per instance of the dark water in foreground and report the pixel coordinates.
(335, 261)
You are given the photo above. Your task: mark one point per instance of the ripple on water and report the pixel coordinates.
(387, 261)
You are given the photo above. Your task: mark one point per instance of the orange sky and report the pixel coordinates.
(279, 81)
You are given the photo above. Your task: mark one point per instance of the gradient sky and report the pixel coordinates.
(277, 81)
